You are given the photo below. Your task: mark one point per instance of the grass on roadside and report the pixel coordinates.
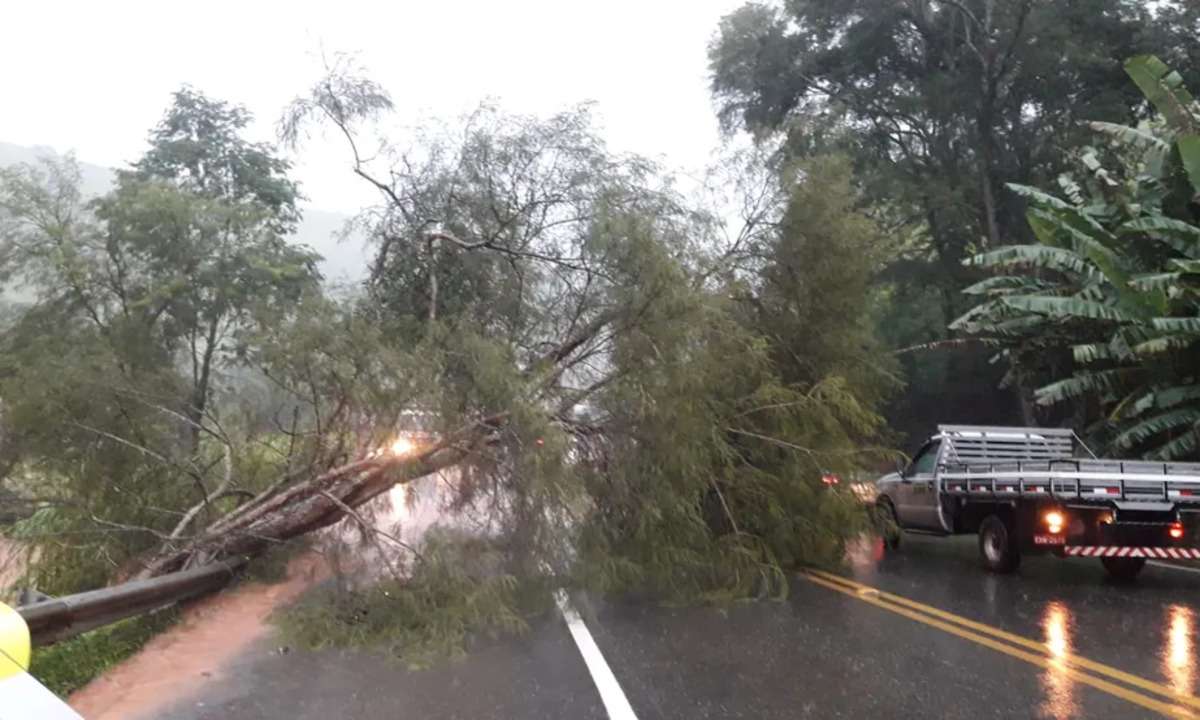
(69, 665)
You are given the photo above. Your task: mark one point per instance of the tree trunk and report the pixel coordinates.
(309, 506)
(987, 151)
(199, 398)
(433, 284)
(1024, 390)
(989, 199)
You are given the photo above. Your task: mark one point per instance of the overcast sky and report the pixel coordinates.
(95, 76)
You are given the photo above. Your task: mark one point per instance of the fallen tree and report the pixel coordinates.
(628, 396)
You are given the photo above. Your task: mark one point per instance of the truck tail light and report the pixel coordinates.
(1175, 531)
(1054, 521)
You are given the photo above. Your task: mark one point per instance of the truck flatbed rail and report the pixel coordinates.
(1089, 481)
(1053, 462)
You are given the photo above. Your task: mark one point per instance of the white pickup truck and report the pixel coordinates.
(1034, 490)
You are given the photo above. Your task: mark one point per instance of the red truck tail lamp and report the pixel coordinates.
(1175, 530)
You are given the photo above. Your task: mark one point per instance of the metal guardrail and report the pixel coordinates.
(57, 619)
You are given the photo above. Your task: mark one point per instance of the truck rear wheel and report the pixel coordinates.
(1123, 569)
(997, 546)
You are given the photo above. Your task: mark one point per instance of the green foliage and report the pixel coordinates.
(457, 592)
(69, 665)
(198, 148)
(940, 105)
(816, 286)
(146, 300)
(1113, 281)
(1165, 90)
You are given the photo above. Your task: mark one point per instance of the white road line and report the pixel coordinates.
(1169, 566)
(611, 694)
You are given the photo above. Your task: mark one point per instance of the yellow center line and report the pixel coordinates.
(874, 597)
(1069, 658)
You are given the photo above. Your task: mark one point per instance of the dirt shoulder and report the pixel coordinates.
(195, 650)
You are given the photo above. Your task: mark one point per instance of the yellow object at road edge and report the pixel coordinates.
(14, 642)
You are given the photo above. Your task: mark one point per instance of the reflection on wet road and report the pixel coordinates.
(1059, 687)
(1179, 654)
(1144, 633)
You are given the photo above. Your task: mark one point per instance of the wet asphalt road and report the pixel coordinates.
(820, 654)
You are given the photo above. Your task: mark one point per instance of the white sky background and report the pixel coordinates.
(94, 77)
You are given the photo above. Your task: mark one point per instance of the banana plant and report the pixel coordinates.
(1113, 279)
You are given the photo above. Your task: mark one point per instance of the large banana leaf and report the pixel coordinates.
(1042, 256)
(1087, 353)
(1046, 200)
(1084, 383)
(1172, 396)
(1189, 153)
(1164, 89)
(1156, 425)
(1063, 307)
(1161, 282)
(1177, 234)
(1005, 285)
(1181, 447)
(1178, 324)
(1164, 344)
(1132, 136)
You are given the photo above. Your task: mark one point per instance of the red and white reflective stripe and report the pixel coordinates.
(1146, 552)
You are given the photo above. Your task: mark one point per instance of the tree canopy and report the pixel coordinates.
(143, 300)
(940, 104)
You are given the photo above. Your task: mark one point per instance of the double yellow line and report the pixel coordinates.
(1176, 704)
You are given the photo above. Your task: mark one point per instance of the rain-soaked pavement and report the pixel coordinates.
(821, 654)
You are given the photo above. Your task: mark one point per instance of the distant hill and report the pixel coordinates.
(342, 261)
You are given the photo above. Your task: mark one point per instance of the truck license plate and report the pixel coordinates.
(1049, 540)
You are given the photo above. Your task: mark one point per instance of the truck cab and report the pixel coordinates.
(912, 491)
